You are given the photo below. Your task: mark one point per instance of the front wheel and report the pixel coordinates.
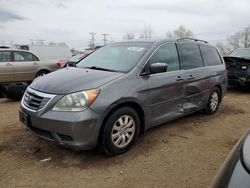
(213, 102)
(120, 131)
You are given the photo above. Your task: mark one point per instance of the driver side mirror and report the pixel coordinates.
(158, 68)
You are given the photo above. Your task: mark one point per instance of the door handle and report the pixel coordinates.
(190, 77)
(179, 78)
(8, 64)
(35, 63)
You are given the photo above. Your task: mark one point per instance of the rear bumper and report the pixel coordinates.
(75, 130)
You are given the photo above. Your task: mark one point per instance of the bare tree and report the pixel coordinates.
(147, 32)
(180, 32)
(234, 40)
(223, 49)
(246, 37)
(129, 36)
(240, 39)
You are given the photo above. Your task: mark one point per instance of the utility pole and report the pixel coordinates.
(31, 41)
(105, 38)
(92, 40)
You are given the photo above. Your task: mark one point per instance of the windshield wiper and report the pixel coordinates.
(100, 68)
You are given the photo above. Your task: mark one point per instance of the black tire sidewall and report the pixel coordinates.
(14, 92)
(1, 89)
(107, 142)
(41, 72)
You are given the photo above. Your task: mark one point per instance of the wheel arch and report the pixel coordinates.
(220, 89)
(136, 106)
(41, 70)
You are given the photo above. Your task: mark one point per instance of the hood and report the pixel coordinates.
(69, 80)
(236, 59)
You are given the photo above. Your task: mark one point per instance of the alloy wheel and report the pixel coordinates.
(214, 101)
(123, 131)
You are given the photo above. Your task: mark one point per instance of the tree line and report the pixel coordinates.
(240, 39)
(147, 33)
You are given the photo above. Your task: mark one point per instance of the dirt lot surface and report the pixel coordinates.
(183, 153)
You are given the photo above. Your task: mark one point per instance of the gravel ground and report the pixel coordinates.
(183, 153)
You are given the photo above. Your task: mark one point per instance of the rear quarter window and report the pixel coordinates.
(210, 56)
(190, 56)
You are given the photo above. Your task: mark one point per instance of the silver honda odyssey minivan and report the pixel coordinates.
(123, 89)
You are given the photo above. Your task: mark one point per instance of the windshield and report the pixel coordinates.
(119, 57)
(241, 53)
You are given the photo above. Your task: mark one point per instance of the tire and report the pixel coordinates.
(14, 92)
(213, 102)
(42, 73)
(1, 94)
(123, 136)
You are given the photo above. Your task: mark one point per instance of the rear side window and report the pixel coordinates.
(4, 56)
(210, 56)
(24, 56)
(167, 53)
(190, 56)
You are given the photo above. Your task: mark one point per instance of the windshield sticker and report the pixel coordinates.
(138, 49)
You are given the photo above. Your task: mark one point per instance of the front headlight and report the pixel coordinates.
(76, 102)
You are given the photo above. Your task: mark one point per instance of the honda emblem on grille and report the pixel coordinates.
(29, 99)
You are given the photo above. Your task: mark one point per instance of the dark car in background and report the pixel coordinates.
(122, 90)
(238, 67)
(235, 171)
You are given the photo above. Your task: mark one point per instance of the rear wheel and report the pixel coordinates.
(120, 131)
(42, 73)
(213, 102)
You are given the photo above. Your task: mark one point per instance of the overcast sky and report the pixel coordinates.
(71, 21)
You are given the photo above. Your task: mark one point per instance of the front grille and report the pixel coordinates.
(235, 69)
(237, 73)
(35, 100)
